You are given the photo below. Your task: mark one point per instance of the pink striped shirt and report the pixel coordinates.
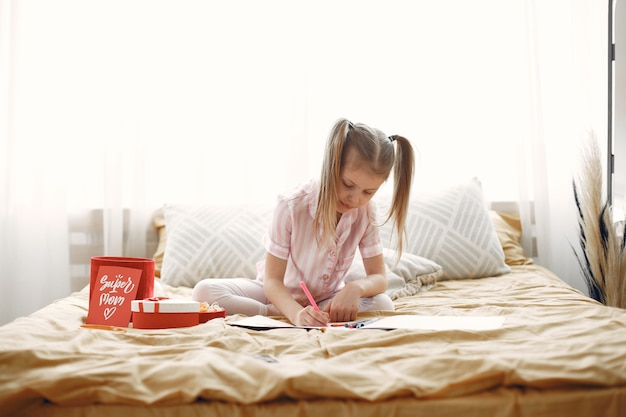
(290, 237)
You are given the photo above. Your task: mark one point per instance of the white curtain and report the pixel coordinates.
(122, 106)
(568, 84)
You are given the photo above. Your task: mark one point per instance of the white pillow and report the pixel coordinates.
(411, 275)
(453, 229)
(213, 242)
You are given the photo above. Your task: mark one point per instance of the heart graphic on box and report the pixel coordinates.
(108, 312)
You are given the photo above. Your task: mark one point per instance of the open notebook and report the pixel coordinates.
(403, 321)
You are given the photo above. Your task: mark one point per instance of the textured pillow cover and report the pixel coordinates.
(453, 229)
(509, 231)
(412, 274)
(213, 242)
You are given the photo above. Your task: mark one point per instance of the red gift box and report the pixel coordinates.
(145, 288)
(114, 282)
(210, 315)
(164, 313)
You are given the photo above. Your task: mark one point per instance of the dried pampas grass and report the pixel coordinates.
(602, 257)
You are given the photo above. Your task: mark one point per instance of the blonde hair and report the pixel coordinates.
(377, 150)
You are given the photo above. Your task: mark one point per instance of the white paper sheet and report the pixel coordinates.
(404, 321)
(437, 322)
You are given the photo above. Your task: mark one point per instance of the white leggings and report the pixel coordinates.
(246, 296)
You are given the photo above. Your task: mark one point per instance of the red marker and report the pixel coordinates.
(309, 296)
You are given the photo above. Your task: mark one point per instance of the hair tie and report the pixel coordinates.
(392, 138)
(350, 125)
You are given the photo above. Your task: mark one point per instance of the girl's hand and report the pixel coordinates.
(309, 316)
(344, 305)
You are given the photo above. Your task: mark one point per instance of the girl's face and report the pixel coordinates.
(357, 183)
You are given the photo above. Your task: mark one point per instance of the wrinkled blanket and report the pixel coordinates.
(553, 338)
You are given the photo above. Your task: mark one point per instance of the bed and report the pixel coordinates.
(558, 352)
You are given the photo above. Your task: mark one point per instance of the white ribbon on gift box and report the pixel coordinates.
(166, 305)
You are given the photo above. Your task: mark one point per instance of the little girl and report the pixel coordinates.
(316, 230)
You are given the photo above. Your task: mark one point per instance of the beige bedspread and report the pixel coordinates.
(554, 339)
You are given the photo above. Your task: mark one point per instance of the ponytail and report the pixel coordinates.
(402, 179)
